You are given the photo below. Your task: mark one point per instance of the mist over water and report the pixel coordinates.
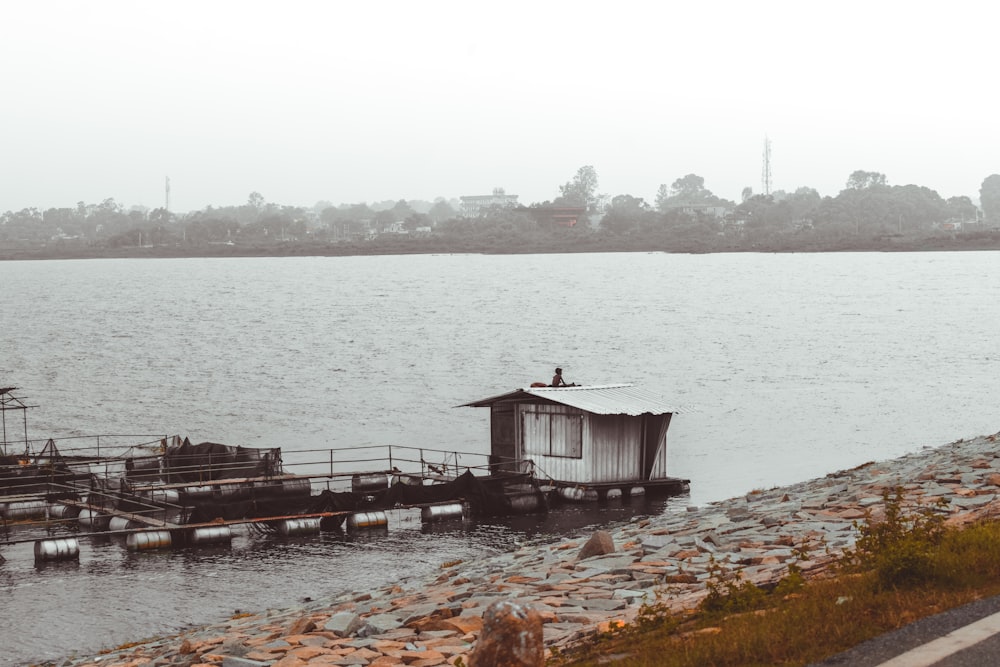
(799, 365)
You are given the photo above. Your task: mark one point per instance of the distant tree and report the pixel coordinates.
(627, 214)
(989, 199)
(441, 210)
(690, 189)
(803, 203)
(321, 206)
(64, 220)
(359, 212)
(383, 221)
(915, 208)
(160, 216)
(864, 180)
(662, 201)
(746, 194)
(401, 211)
(962, 209)
(581, 191)
(687, 190)
(757, 211)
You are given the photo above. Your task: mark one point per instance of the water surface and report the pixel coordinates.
(799, 365)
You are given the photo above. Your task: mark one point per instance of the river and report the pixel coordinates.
(798, 365)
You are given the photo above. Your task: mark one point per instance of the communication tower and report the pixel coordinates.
(765, 173)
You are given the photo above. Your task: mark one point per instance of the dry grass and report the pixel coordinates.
(911, 567)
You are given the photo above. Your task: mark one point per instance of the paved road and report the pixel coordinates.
(968, 636)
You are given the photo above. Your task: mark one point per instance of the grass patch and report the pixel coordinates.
(905, 565)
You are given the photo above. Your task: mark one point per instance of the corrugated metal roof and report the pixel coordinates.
(608, 399)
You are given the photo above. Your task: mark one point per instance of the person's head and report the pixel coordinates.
(558, 371)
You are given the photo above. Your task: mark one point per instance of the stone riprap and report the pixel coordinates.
(666, 558)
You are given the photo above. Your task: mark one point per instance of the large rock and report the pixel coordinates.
(600, 543)
(344, 624)
(511, 637)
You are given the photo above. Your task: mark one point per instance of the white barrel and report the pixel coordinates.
(163, 496)
(369, 482)
(60, 511)
(199, 491)
(211, 535)
(232, 492)
(525, 503)
(121, 523)
(304, 526)
(146, 540)
(638, 491)
(61, 548)
(433, 513)
(296, 487)
(92, 520)
(24, 509)
(376, 519)
(573, 494)
(409, 480)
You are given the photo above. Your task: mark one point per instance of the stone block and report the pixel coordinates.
(512, 636)
(600, 543)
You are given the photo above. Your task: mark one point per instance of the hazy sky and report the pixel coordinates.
(368, 101)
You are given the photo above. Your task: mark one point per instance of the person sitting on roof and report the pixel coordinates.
(558, 381)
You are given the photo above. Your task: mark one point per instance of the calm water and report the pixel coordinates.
(799, 365)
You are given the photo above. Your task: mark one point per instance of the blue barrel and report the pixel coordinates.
(146, 540)
(442, 512)
(61, 548)
(211, 535)
(376, 519)
(303, 526)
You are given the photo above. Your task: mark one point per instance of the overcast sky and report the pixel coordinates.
(369, 101)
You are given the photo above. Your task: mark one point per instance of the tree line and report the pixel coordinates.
(685, 216)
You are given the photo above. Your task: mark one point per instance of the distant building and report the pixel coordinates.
(564, 216)
(475, 205)
(713, 210)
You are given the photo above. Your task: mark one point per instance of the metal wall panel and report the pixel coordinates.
(539, 425)
(615, 442)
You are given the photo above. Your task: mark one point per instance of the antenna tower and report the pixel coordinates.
(167, 206)
(765, 173)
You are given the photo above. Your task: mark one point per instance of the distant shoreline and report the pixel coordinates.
(423, 248)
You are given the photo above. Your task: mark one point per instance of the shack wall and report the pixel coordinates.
(555, 438)
(571, 445)
(616, 446)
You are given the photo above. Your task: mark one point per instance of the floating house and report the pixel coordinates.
(593, 438)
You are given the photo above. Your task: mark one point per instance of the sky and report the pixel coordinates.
(306, 101)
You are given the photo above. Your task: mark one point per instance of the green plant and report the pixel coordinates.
(728, 593)
(900, 547)
(654, 615)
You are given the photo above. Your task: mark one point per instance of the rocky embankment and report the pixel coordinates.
(579, 587)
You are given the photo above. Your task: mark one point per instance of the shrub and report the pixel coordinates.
(900, 548)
